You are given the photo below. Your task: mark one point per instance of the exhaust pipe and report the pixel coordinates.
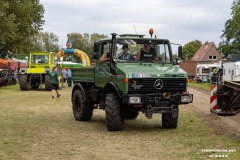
(113, 69)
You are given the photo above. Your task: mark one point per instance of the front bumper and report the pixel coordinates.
(142, 99)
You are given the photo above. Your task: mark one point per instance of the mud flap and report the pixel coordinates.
(174, 113)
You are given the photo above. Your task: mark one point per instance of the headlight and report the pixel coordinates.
(135, 100)
(186, 99)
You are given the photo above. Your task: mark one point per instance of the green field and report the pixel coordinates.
(203, 86)
(35, 126)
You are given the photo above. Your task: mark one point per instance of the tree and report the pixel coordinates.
(44, 41)
(20, 20)
(85, 42)
(231, 34)
(190, 49)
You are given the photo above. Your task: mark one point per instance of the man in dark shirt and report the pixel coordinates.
(147, 53)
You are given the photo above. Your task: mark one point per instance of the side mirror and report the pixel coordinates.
(180, 52)
(96, 47)
(179, 61)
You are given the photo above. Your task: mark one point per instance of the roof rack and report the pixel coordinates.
(132, 35)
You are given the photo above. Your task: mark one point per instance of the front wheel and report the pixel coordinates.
(82, 108)
(47, 82)
(169, 121)
(24, 83)
(114, 116)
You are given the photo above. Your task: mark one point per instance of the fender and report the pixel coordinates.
(109, 88)
(81, 88)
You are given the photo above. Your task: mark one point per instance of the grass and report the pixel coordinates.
(34, 126)
(203, 86)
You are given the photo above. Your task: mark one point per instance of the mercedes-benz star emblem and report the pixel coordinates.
(158, 84)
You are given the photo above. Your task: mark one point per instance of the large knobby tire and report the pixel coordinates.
(47, 83)
(23, 82)
(130, 114)
(114, 116)
(82, 108)
(1, 81)
(168, 121)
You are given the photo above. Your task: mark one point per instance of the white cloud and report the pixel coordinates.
(178, 21)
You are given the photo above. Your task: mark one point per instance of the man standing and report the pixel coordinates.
(69, 78)
(64, 75)
(54, 79)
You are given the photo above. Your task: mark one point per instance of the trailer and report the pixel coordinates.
(225, 89)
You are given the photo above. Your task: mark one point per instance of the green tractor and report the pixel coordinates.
(40, 64)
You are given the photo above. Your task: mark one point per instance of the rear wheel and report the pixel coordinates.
(47, 83)
(82, 108)
(114, 116)
(168, 121)
(23, 81)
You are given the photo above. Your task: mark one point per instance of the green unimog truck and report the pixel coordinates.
(124, 88)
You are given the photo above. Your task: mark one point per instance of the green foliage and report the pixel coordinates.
(85, 41)
(203, 86)
(231, 34)
(20, 20)
(44, 41)
(190, 49)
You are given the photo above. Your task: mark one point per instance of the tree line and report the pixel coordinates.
(22, 22)
(21, 30)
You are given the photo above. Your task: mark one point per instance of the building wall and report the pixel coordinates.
(189, 67)
(212, 52)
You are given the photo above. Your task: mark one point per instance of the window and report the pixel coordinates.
(211, 57)
(38, 59)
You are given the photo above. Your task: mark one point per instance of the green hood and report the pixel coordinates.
(153, 70)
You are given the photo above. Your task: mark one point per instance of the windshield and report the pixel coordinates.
(141, 50)
(40, 59)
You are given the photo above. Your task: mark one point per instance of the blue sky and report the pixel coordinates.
(180, 21)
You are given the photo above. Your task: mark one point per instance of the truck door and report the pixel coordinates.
(102, 70)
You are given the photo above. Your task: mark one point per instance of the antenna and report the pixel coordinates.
(135, 30)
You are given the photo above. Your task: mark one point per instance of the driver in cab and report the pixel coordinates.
(147, 53)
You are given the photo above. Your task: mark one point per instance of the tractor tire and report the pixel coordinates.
(82, 108)
(130, 114)
(47, 82)
(168, 121)
(114, 116)
(23, 82)
(1, 81)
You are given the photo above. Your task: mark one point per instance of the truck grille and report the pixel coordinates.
(147, 85)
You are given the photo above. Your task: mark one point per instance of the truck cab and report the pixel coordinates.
(132, 74)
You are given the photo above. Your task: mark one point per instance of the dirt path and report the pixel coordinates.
(223, 124)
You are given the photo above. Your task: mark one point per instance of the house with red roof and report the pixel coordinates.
(207, 53)
(203, 62)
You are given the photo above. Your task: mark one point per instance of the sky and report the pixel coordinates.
(180, 21)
